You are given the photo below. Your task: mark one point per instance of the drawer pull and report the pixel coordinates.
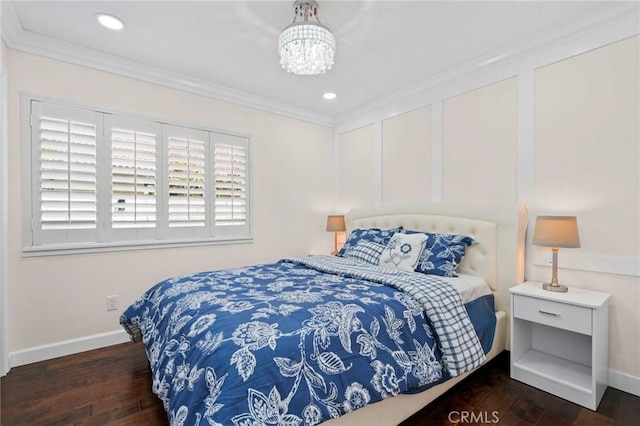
(548, 313)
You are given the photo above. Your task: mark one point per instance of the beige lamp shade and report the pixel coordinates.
(556, 231)
(335, 223)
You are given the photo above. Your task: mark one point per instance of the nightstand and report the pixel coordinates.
(560, 342)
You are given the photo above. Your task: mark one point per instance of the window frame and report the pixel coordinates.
(164, 236)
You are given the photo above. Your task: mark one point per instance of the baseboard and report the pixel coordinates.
(624, 382)
(621, 381)
(67, 347)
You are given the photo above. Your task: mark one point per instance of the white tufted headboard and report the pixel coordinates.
(499, 231)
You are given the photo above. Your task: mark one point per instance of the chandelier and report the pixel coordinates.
(306, 46)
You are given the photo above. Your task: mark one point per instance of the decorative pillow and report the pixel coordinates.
(365, 251)
(380, 236)
(442, 253)
(403, 251)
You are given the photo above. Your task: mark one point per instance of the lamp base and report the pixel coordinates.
(556, 288)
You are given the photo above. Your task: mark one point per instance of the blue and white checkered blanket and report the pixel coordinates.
(459, 343)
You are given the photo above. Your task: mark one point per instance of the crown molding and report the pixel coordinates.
(15, 37)
(622, 17)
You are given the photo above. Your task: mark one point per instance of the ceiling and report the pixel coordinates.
(382, 46)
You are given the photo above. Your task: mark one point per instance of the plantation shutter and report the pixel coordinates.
(186, 180)
(100, 179)
(134, 176)
(231, 175)
(64, 158)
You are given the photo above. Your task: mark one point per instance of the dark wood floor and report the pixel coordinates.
(489, 394)
(105, 386)
(113, 386)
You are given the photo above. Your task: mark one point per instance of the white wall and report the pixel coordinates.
(58, 299)
(557, 131)
(587, 163)
(404, 138)
(356, 166)
(479, 140)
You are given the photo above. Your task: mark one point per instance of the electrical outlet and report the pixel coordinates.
(112, 303)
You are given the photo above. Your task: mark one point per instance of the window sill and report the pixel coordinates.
(84, 248)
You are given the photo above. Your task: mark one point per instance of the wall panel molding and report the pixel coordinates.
(525, 168)
(472, 76)
(377, 161)
(615, 265)
(436, 151)
(336, 171)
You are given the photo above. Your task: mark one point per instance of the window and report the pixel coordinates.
(67, 174)
(132, 182)
(230, 165)
(188, 162)
(102, 180)
(133, 179)
(187, 178)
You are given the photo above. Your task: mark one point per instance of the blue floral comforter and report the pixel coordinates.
(298, 342)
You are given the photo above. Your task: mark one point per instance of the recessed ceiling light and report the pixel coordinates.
(329, 95)
(110, 21)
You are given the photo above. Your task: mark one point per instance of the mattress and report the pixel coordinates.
(470, 285)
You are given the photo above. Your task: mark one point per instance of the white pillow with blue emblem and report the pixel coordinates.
(403, 251)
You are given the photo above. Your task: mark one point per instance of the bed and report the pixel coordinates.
(332, 339)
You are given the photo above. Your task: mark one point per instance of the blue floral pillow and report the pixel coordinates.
(380, 236)
(442, 253)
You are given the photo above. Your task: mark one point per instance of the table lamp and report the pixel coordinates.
(556, 232)
(335, 224)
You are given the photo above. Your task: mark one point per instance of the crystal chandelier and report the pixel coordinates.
(306, 46)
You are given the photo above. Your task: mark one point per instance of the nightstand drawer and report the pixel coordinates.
(555, 314)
